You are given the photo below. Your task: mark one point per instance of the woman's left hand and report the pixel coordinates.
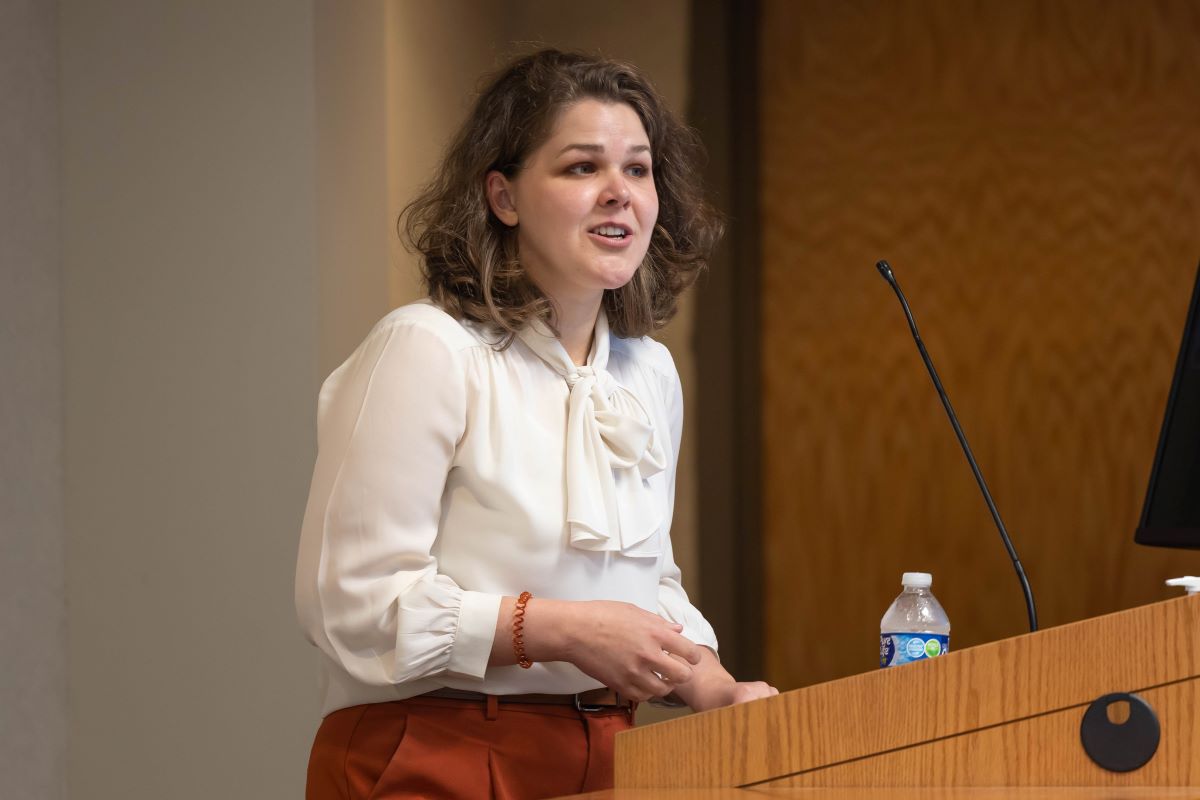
(712, 687)
(716, 694)
(745, 691)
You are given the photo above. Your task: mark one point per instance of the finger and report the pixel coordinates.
(683, 647)
(680, 659)
(652, 686)
(684, 663)
(641, 687)
(749, 691)
(672, 668)
(765, 690)
(753, 690)
(676, 627)
(659, 619)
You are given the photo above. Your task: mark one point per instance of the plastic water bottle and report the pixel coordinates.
(915, 627)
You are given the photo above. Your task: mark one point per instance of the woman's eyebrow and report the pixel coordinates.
(599, 148)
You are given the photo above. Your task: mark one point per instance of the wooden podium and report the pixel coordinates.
(1005, 714)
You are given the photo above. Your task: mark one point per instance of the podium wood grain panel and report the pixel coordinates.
(921, 793)
(1032, 171)
(1012, 755)
(954, 696)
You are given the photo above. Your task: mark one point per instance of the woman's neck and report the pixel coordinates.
(576, 323)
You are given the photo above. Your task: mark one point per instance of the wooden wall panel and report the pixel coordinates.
(1032, 172)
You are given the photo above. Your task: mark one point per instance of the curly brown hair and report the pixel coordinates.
(469, 259)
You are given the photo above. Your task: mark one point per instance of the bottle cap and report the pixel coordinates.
(1189, 582)
(917, 580)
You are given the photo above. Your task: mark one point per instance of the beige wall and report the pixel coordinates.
(353, 224)
(190, 324)
(428, 95)
(33, 638)
(231, 173)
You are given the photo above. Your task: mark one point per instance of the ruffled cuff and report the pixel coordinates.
(678, 609)
(476, 629)
(443, 628)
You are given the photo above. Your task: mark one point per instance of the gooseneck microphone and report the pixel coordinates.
(886, 271)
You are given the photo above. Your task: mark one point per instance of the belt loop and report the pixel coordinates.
(492, 710)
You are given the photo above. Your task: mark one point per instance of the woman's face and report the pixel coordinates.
(584, 203)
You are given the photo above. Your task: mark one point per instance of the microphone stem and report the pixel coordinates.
(962, 440)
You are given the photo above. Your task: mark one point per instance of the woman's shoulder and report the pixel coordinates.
(645, 353)
(432, 320)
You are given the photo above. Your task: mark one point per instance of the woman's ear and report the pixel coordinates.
(500, 198)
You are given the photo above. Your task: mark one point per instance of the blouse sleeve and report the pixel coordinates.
(673, 602)
(368, 591)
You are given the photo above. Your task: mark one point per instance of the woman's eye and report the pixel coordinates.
(639, 170)
(581, 169)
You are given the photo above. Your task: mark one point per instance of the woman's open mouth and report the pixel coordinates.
(611, 235)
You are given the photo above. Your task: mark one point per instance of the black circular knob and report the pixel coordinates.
(1124, 746)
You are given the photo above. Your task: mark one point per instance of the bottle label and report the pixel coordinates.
(902, 648)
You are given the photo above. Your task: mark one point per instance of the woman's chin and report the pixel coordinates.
(614, 279)
(613, 286)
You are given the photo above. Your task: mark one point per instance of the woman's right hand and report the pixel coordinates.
(626, 648)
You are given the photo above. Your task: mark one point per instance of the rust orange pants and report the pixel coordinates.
(434, 748)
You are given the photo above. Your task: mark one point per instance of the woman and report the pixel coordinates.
(485, 562)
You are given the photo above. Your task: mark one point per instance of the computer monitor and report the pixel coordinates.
(1171, 515)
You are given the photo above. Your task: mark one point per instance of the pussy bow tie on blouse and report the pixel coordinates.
(611, 450)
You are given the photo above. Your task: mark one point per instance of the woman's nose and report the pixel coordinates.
(615, 193)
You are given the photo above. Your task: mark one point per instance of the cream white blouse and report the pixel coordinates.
(450, 473)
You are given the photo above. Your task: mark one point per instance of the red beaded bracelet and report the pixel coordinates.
(518, 629)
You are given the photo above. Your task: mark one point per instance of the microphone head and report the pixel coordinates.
(885, 269)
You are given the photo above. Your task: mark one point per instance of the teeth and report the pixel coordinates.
(610, 230)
